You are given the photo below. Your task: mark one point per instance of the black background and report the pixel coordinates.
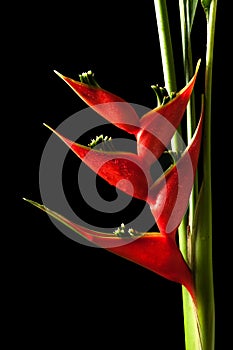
(69, 294)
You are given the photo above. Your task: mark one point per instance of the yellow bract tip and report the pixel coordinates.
(49, 127)
(59, 74)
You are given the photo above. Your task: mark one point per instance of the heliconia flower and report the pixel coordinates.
(154, 251)
(153, 131)
(167, 197)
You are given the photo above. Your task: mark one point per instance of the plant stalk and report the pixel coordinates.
(167, 57)
(203, 264)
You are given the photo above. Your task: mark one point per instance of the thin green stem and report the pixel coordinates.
(165, 45)
(167, 59)
(203, 267)
(186, 26)
(208, 91)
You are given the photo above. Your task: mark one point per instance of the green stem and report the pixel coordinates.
(203, 267)
(186, 26)
(167, 59)
(208, 92)
(165, 45)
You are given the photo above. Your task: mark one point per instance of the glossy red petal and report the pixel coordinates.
(160, 254)
(112, 107)
(169, 196)
(153, 251)
(159, 125)
(120, 169)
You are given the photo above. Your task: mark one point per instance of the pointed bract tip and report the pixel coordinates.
(198, 64)
(59, 74)
(27, 200)
(49, 127)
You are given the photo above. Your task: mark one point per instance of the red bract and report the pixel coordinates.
(154, 251)
(123, 170)
(159, 125)
(113, 108)
(160, 254)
